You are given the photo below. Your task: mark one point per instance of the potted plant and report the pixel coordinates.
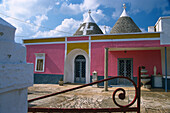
(61, 82)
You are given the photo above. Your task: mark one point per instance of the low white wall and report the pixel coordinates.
(14, 101)
(15, 74)
(14, 80)
(164, 26)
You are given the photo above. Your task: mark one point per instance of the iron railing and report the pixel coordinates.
(121, 108)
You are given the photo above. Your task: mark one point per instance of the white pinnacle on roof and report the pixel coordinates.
(105, 32)
(124, 14)
(4, 23)
(89, 19)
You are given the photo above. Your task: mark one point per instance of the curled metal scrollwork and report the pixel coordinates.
(122, 95)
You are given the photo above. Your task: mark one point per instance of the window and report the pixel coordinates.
(125, 68)
(40, 62)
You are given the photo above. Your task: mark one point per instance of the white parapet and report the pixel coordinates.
(151, 28)
(15, 74)
(163, 25)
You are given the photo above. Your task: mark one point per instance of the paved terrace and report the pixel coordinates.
(152, 101)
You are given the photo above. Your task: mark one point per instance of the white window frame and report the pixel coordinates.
(39, 56)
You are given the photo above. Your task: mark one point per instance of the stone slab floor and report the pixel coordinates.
(152, 101)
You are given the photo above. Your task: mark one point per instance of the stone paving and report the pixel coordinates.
(152, 101)
(156, 101)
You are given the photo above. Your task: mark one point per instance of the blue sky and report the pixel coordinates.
(55, 18)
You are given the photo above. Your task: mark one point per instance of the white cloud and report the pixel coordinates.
(36, 11)
(26, 8)
(57, 3)
(74, 9)
(71, 8)
(32, 11)
(38, 21)
(116, 14)
(67, 27)
(70, 26)
(90, 4)
(135, 6)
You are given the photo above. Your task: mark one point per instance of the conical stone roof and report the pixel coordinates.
(88, 27)
(125, 24)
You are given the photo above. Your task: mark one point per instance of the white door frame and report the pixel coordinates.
(69, 65)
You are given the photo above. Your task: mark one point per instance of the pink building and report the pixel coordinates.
(75, 58)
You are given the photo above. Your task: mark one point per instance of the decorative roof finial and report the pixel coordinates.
(124, 14)
(124, 6)
(89, 11)
(89, 18)
(105, 32)
(105, 27)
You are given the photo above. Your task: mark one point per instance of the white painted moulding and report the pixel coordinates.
(144, 81)
(144, 71)
(143, 75)
(167, 76)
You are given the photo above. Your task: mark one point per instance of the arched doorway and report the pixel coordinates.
(80, 69)
(69, 66)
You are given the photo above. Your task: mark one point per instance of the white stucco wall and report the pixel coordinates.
(163, 25)
(15, 74)
(151, 29)
(14, 80)
(159, 25)
(14, 101)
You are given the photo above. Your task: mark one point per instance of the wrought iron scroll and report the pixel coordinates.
(122, 95)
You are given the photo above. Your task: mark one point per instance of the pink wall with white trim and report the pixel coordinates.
(54, 57)
(147, 58)
(54, 63)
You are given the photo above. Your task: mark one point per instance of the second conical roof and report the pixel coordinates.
(125, 24)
